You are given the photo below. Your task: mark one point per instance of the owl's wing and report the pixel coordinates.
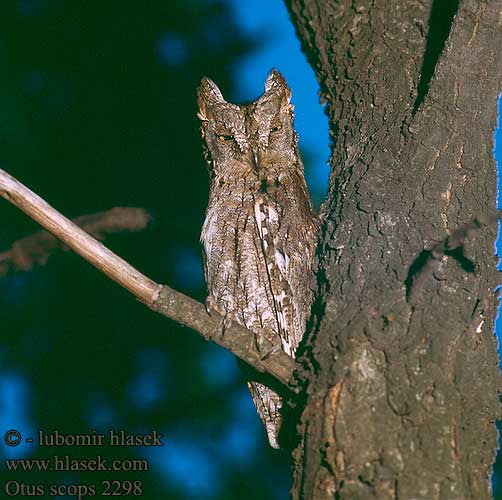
(277, 261)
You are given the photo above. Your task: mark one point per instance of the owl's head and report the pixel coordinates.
(251, 136)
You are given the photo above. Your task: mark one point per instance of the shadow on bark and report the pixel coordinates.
(440, 23)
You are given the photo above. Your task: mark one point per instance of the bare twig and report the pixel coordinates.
(159, 298)
(38, 247)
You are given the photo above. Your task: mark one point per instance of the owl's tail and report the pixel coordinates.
(268, 405)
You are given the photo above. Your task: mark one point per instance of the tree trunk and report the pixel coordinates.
(403, 394)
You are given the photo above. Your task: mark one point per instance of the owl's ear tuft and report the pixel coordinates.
(208, 94)
(276, 84)
(274, 79)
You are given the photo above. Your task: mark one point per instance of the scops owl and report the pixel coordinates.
(260, 230)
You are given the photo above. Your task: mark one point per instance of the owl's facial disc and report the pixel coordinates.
(256, 137)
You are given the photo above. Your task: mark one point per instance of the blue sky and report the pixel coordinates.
(498, 159)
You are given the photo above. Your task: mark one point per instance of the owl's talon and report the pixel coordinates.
(265, 355)
(265, 347)
(225, 323)
(211, 308)
(211, 305)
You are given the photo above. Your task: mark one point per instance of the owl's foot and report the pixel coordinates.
(211, 308)
(211, 305)
(266, 345)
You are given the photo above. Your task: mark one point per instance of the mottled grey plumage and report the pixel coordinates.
(260, 230)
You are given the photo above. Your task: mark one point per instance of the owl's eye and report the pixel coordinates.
(226, 138)
(276, 128)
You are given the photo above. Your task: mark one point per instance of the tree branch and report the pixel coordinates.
(243, 343)
(37, 248)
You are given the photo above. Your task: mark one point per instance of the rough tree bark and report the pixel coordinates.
(403, 395)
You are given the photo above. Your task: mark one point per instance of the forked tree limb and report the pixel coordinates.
(268, 358)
